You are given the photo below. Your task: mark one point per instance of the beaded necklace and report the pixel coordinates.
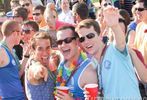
(61, 81)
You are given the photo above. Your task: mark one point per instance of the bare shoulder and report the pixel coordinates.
(89, 75)
(90, 70)
(3, 57)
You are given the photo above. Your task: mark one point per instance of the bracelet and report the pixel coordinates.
(26, 56)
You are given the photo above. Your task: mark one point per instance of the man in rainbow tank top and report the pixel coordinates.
(76, 70)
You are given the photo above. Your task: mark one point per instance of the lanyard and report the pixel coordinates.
(100, 68)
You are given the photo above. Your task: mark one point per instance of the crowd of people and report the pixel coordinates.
(72, 44)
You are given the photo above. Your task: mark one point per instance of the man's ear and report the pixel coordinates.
(78, 18)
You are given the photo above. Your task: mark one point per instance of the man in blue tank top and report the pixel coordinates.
(10, 85)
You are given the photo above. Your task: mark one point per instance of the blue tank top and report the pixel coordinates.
(10, 85)
(73, 83)
(43, 91)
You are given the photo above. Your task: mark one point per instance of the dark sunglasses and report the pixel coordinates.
(66, 40)
(36, 14)
(140, 9)
(27, 4)
(89, 36)
(26, 31)
(106, 4)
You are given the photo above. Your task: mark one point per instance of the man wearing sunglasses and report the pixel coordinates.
(76, 68)
(38, 12)
(117, 77)
(141, 29)
(28, 29)
(28, 5)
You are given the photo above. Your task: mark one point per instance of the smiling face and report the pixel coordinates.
(65, 5)
(27, 33)
(26, 4)
(90, 44)
(68, 47)
(42, 50)
(141, 14)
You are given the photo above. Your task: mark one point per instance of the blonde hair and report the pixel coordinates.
(50, 10)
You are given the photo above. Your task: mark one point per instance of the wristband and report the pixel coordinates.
(26, 56)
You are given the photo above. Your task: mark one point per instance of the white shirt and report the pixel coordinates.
(66, 17)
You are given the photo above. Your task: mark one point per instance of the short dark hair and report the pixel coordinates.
(40, 7)
(81, 9)
(144, 2)
(124, 13)
(33, 24)
(87, 23)
(71, 28)
(40, 35)
(21, 12)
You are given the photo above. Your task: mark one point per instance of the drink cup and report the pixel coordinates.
(92, 89)
(63, 89)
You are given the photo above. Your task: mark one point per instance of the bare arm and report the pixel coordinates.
(131, 37)
(140, 67)
(111, 17)
(4, 60)
(24, 59)
(90, 75)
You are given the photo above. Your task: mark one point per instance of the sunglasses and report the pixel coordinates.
(66, 40)
(89, 36)
(26, 31)
(36, 14)
(107, 4)
(140, 9)
(27, 4)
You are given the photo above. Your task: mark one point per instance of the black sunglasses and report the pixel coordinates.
(106, 4)
(140, 9)
(66, 40)
(36, 14)
(27, 4)
(27, 31)
(89, 36)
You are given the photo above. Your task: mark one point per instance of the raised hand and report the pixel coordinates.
(111, 16)
(39, 71)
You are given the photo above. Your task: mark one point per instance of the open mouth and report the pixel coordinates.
(89, 47)
(66, 52)
(45, 59)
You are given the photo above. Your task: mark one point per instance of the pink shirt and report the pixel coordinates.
(60, 24)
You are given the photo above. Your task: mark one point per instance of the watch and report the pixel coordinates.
(26, 56)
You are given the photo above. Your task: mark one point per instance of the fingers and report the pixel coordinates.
(40, 71)
(60, 94)
(86, 94)
(45, 74)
